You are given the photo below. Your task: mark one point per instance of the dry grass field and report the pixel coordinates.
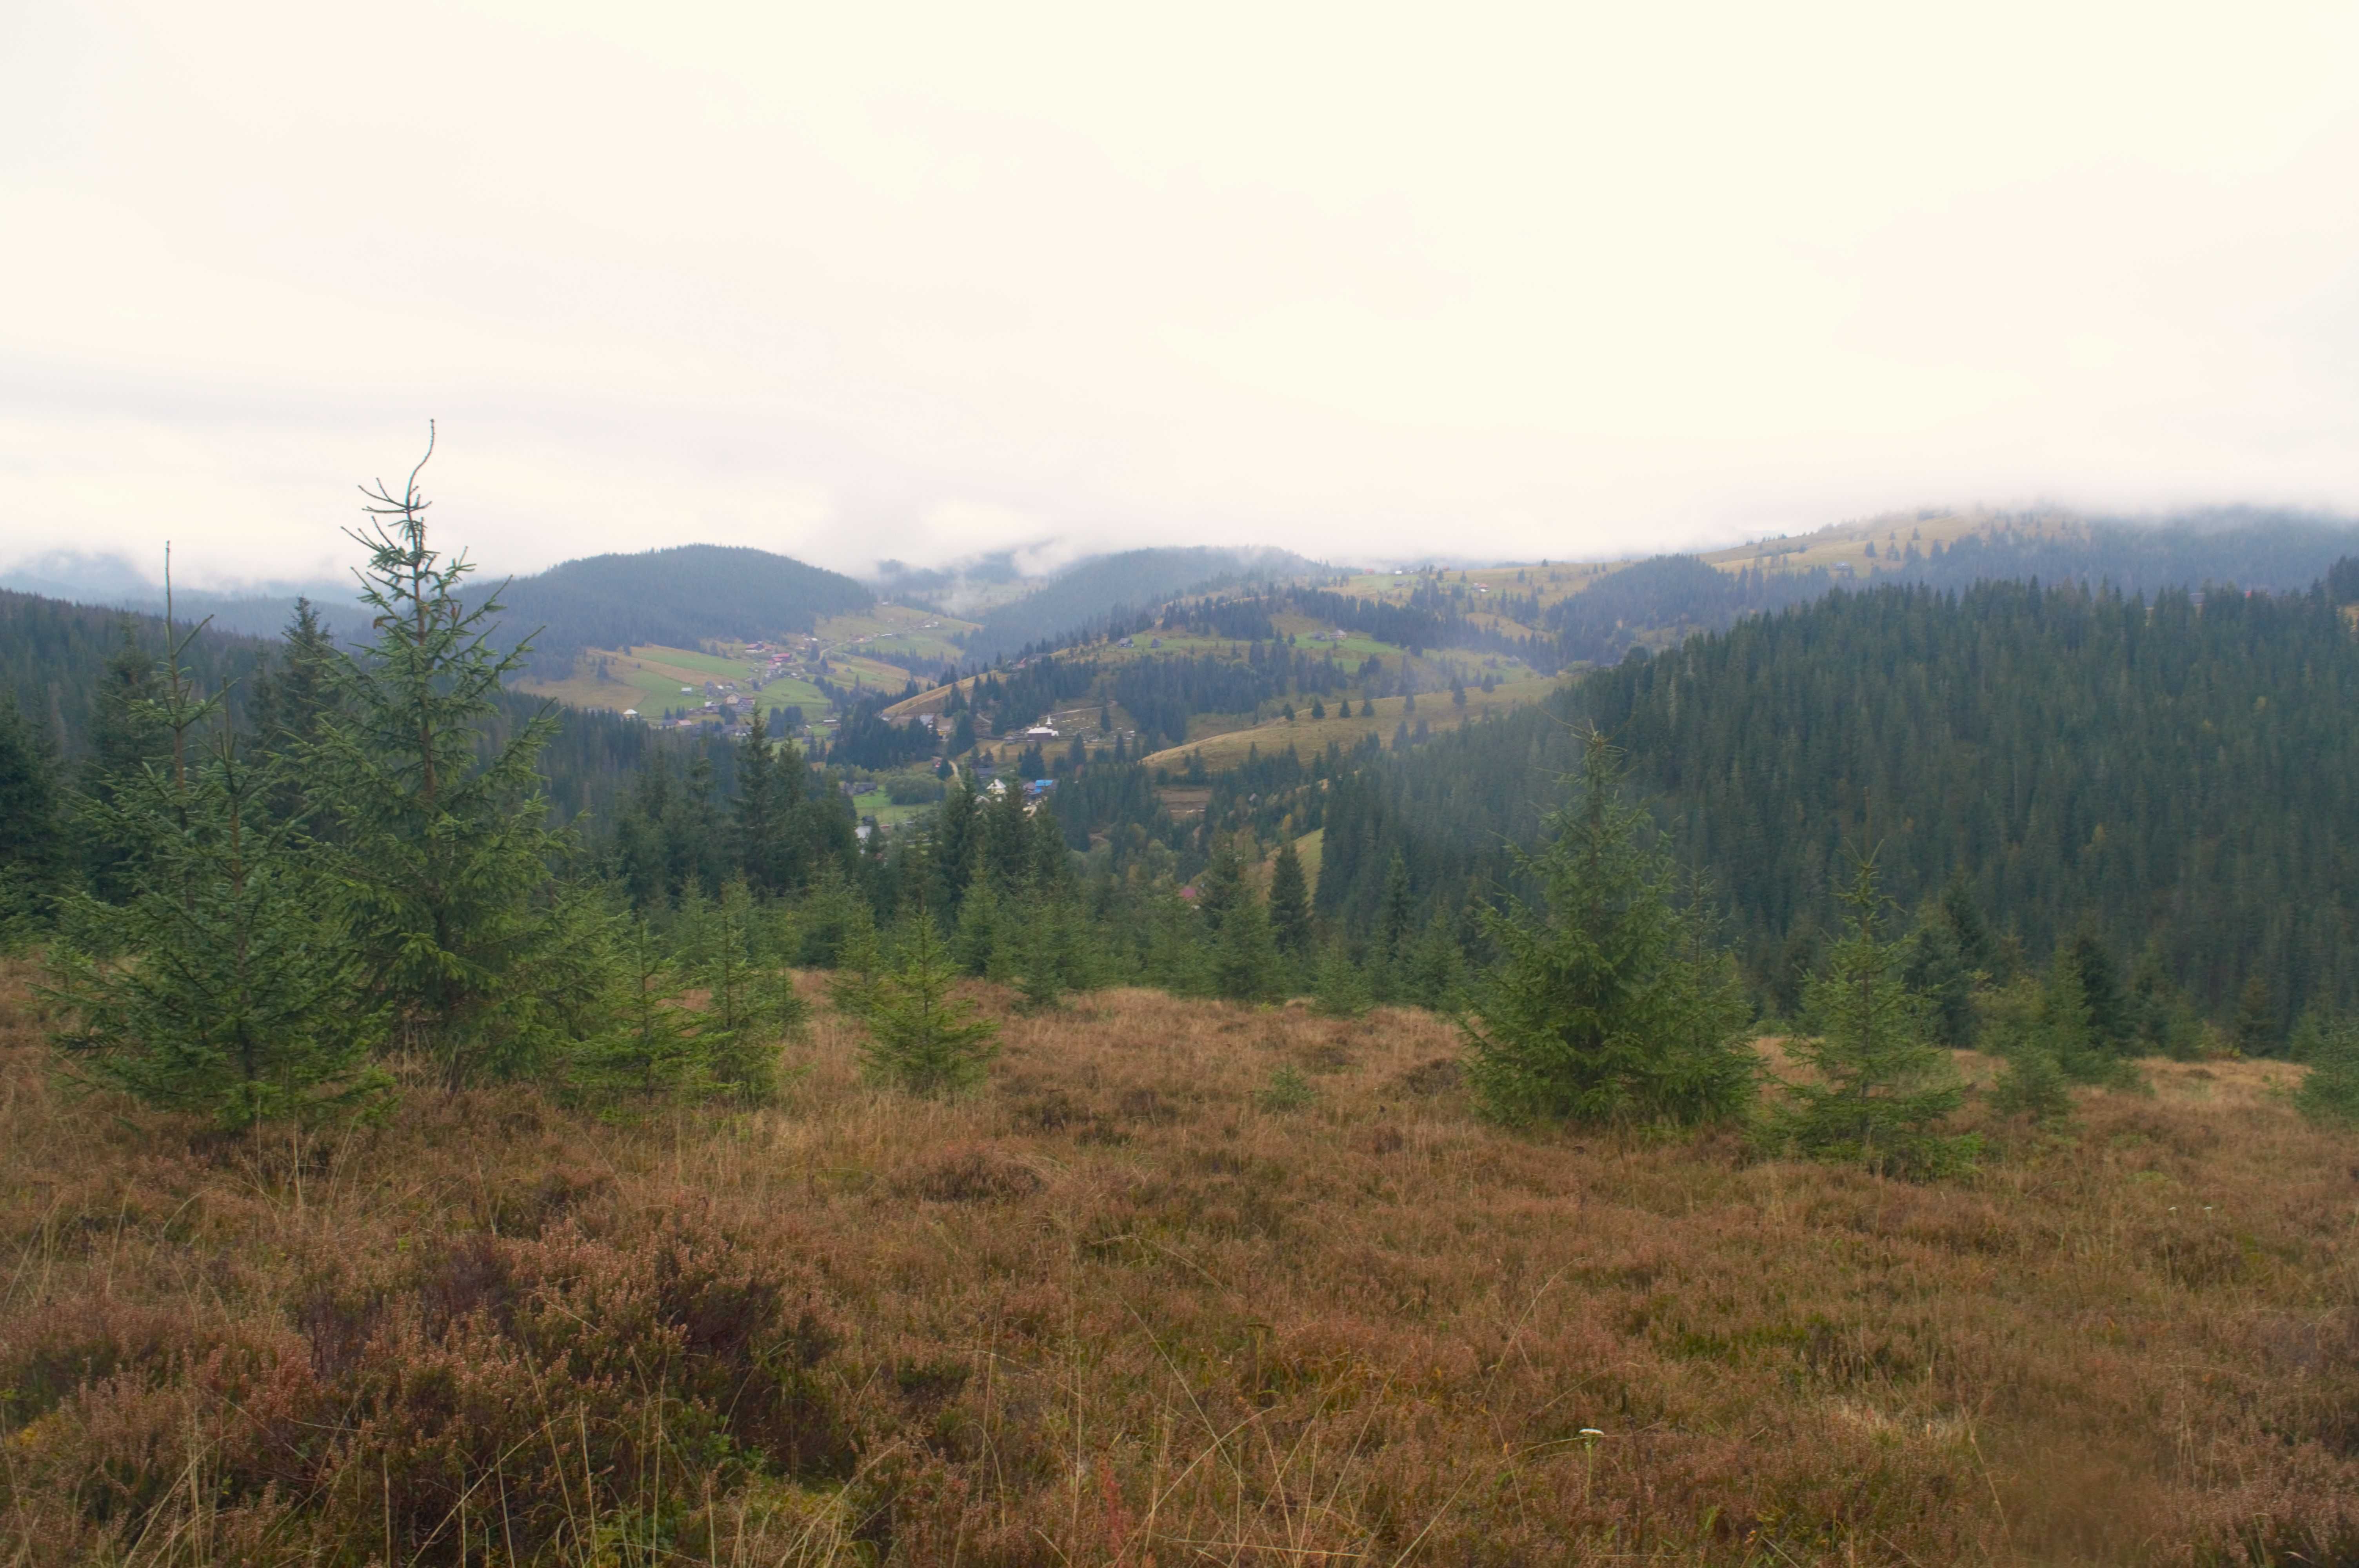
(1130, 1307)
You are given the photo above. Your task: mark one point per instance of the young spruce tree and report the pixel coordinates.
(2329, 1094)
(1246, 965)
(126, 734)
(652, 1047)
(921, 1037)
(750, 1005)
(221, 982)
(463, 930)
(1882, 1084)
(1340, 988)
(1598, 1010)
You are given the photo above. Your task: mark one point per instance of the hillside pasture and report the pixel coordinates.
(1556, 580)
(649, 680)
(903, 630)
(1841, 544)
(1307, 735)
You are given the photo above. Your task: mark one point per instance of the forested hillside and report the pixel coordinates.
(54, 656)
(2179, 779)
(2279, 552)
(678, 597)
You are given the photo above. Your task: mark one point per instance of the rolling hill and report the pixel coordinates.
(679, 596)
(1082, 598)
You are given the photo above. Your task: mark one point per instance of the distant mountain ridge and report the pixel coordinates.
(114, 582)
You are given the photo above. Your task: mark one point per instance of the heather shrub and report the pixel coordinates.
(1117, 1314)
(974, 1175)
(503, 1394)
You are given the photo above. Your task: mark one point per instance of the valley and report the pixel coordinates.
(1730, 1060)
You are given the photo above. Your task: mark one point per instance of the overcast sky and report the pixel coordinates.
(857, 281)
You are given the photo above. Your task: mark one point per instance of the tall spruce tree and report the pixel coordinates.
(1596, 1011)
(448, 861)
(769, 791)
(1289, 905)
(1882, 1086)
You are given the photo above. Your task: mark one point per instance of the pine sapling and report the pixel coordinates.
(1607, 1005)
(1342, 987)
(656, 1048)
(1882, 1085)
(224, 984)
(2328, 1094)
(922, 1037)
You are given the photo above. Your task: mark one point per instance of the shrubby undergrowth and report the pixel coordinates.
(1184, 1276)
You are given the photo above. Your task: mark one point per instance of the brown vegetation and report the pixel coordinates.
(1113, 1311)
